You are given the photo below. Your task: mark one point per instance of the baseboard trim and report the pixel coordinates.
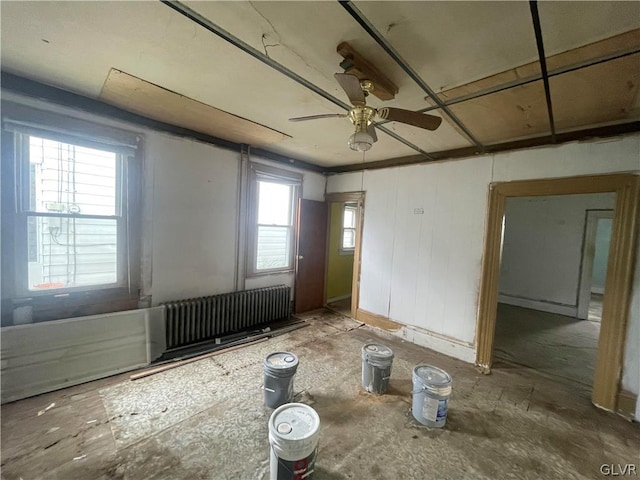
(378, 321)
(440, 343)
(568, 310)
(626, 405)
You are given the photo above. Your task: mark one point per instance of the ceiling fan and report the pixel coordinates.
(362, 116)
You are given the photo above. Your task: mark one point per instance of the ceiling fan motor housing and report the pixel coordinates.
(361, 116)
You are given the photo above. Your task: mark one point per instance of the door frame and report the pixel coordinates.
(357, 197)
(588, 255)
(620, 269)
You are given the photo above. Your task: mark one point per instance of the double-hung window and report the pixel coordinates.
(349, 212)
(273, 213)
(72, 214)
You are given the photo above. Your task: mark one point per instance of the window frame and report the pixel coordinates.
(22, 159)
(265, 173)
(19, 122)
(354, 207)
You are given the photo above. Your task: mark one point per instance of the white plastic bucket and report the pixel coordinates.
(376, 367)
(294, 430)
(431, 390)
(279, 369)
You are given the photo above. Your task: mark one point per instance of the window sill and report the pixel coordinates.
(347, 252)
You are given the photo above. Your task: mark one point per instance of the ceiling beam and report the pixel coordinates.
(585, 134)
(258, 55)
(535, 17)
(364, 22)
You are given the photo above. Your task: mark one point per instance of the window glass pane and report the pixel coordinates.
(348, 238)
(274, 203)
(273, 247)
(348, 218)
(66, 178)
(72, 252)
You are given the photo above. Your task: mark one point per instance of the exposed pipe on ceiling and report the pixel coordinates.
(364, 22)
(535, 16)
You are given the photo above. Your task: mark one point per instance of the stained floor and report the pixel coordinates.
(206, 420)
(341, 306)
(555, 345)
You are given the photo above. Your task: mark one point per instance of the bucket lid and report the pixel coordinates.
(377, 351)
(294, 421)
(432, 376)
(281, 361)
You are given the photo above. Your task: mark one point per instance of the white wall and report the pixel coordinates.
(542, 250)
(194, 217)
(425, 273)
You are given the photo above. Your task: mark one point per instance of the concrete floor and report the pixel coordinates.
(556, 345)
(206, 420)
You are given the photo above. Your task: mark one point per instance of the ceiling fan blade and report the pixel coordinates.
(351, 85)
(315, 117)
(371, 130)
(422, 120)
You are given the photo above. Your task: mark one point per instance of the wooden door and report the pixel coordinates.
(312, 233)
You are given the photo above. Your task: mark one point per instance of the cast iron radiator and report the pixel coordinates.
(199, 319)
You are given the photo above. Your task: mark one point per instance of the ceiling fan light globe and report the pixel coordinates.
(360, 141)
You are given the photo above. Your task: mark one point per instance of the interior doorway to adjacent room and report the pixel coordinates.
(548, 242)
(616, 302)
(343, 251)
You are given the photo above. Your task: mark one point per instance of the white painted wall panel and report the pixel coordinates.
(542, 250)
(377, 240)
(620, 154)
(436, 263)
(46, 356)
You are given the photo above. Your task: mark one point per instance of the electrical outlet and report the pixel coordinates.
(418, 211)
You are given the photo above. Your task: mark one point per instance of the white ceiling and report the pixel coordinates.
(74, 45)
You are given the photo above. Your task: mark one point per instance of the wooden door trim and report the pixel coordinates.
(620, 266)
(357, 197)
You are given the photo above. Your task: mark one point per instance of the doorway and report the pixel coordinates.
(344, 220)
(619, 278)
(595, 254)
(546, 244)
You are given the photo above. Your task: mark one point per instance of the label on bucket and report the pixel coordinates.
(296, 469)
(434, 409)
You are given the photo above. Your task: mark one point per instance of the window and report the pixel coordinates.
(349, 227)
(274, 199)
(73, 212)
(72, 219)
